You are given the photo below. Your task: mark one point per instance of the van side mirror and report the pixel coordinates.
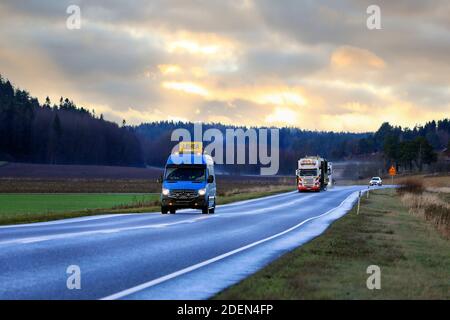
(160, 179)
(210, 179)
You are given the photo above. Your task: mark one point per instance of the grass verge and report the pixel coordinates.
(413, 258)
(432, 205)
(28, 208)
(25, 208)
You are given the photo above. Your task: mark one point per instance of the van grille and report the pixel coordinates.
(183, 194)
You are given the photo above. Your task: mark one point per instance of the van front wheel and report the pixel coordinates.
(164, 210)
(213, 209)
(205, 210)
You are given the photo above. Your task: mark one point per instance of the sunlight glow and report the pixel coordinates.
(191, 47)
(169, 68)
(187, 87)
(282, 98)
(283, 116)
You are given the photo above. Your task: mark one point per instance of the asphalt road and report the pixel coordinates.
(154, 256)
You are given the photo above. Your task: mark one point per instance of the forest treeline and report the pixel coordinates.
(62, 133)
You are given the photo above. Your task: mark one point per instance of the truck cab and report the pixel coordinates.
(312, 174)
(188, 182)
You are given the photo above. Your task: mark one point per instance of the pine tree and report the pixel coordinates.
(47, 103)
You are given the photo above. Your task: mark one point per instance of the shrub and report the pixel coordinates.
(409, 185)
(431, 207)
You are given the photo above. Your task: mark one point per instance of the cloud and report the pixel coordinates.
(287, 64)
(350, 57)
(187, 87)
(311, 64)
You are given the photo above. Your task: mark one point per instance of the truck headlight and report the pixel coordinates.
(165, 192)
(201, 192)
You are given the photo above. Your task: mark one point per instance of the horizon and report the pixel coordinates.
(189, 122)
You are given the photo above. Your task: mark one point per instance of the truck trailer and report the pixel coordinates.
(312, 174)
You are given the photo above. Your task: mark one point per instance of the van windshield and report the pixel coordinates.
(308, 172)
(185, 173)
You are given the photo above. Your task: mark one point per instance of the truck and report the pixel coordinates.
(313, 174)
(188, 182)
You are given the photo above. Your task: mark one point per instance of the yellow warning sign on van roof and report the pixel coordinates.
(190, 147)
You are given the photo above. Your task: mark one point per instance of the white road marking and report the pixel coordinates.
(257, 199)
(64, 221)
(284, 204)
(93, 232)
(175, 274)
(28, 240)
(89, 218)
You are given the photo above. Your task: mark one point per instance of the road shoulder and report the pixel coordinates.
(412, 256)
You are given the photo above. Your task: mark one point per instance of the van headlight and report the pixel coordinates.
(201, 192)
(165, 192)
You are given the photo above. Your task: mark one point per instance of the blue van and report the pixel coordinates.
(188, 182)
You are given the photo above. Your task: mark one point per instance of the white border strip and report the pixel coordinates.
(64, 221)
(104, 216)
(178, 273)
(236, 203)
(64, 235)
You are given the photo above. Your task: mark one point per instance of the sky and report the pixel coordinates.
(303, 63)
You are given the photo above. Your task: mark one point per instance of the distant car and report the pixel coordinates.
(376, 181)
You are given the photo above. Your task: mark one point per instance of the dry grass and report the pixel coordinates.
(225, 185)
(431, 207)
(440, 184)
(429, 181)
(32, 185)
(257, 189)
(440, 190)
(422, 196)
(411, 185)
(138, 204)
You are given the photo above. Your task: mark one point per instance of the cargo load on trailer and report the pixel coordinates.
(313, 174)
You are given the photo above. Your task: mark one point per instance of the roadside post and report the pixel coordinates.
(367, 193)
(359, 202)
